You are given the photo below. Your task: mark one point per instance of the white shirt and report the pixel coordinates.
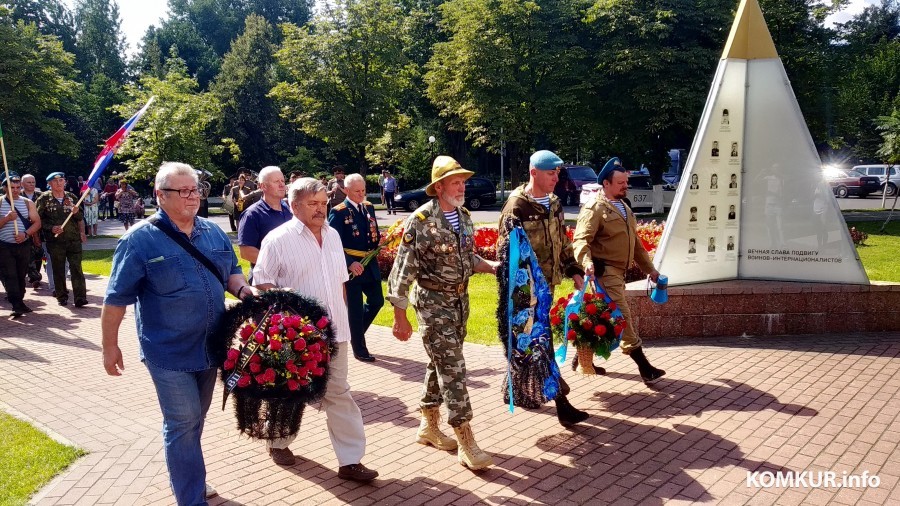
(290, 257)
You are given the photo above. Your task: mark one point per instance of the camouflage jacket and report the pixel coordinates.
(432, 253)
(53, 213)
(546, 230)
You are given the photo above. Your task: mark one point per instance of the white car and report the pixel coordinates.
(879, 171)
(640, 193)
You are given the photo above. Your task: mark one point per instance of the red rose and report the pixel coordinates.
(276, 318)
(255, 359)
(299, 344)
(318, 371)
(233, 354)
(304, 382)
(314, 347)
(255, 367)
(229, 365)
(322, 323)
(600, 330)
(270, 374)
(571, 335)
(555, 320)
(275, 345)
(573, 317)
(308, 329)
(310, 364)
(291, 334)
(260, 337)
(587, 325)
(590, 309)
(303, 372)
(246, 330)
(293, 385)
(291, 366)
(260, 378)
(612, 306)
(619, 329)
(244, 381)
(274, 330)
(605, 315)
(588, 297)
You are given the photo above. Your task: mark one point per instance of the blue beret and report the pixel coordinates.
(608, 168)
(55, 175)
(12, 177)
(545, 160)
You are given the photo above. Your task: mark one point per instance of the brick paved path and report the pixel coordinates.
(727, 407)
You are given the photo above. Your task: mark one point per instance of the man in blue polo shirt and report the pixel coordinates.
(262, 217)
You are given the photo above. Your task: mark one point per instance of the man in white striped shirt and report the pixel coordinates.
(306, 255)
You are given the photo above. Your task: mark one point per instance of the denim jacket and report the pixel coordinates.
(178, 301)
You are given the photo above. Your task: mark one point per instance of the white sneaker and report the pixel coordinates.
(210, 491)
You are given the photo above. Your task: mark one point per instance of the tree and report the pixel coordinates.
(347, 74)
(248, 74)
(100, 45)
(520, 67)
(176, 127)
(33, 93)
(51, 17)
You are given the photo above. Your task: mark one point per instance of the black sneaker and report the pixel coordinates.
(81, 302)
(63, 302)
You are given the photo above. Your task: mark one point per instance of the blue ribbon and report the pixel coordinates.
(513, 267)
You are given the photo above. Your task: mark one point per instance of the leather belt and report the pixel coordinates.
(457, 289)
(356, 252)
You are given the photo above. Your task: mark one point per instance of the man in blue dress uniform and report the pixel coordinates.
(354, 219)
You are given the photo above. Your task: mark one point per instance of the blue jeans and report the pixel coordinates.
(184, 399)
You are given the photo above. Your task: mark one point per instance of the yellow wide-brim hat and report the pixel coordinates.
(442, 168)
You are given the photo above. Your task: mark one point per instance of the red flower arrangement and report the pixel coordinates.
(597, 324)
(290, 351)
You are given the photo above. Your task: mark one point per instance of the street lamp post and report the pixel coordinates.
(431, 140)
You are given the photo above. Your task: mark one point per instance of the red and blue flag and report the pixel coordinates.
(112, 145)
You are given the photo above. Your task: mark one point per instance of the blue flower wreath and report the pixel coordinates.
(530, 351)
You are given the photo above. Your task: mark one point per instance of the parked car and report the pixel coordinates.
(640, 193)
(851, 182)
(881, 172)
(480, 192)
(572, 179)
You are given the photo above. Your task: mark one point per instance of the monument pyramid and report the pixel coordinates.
(752, 203)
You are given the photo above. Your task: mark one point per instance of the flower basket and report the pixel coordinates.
(590, 321)
(274, 350)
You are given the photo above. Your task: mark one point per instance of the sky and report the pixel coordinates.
(138, 15)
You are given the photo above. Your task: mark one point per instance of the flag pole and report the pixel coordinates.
(72, 212)
(8, 182)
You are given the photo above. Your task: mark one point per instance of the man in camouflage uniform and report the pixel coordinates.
(540, 213)
(437, 252)
(63, 244)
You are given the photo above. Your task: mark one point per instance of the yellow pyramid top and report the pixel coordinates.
(750, 38)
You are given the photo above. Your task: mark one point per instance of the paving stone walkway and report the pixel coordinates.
(727, 407)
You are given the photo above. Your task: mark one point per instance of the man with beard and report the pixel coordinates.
(438, 253)
(606, 243)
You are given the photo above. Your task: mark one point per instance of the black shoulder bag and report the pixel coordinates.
(184, 243)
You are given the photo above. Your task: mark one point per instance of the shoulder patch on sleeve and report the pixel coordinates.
(464, 210)
(340, 207)
(420, 215)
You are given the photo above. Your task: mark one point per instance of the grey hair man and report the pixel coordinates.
(153, 271)
(265, 215)
(305, 255)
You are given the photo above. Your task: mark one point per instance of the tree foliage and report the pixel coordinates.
(347, 74)
(33, 93)
(177, 125)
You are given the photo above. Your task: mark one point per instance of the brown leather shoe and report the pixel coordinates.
(357, 472)
(282, 456)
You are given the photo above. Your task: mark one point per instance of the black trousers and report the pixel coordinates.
(389, 200)
(14, 260)
(362, 314)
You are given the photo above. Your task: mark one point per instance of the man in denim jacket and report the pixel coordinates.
(178, 305)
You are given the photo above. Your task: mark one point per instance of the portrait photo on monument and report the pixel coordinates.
(692, 246)
(693, 213)
(715, 148)
(695, 182)
(714, 182)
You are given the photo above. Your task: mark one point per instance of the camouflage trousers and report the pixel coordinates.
(442, 324)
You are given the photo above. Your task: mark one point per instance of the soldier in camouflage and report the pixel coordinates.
(540, 213)
(437, 252)
(63, 244)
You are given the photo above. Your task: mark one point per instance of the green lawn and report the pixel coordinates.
(30, 460)
(881, 251)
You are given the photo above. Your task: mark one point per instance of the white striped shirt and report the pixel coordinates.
(544, 201)
(620, 206)
(290, 257)
(7, 232)
(453, 218)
